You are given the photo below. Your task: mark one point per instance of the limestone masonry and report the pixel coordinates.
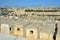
(36, 23)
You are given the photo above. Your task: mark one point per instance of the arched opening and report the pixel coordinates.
(10, 28)
(31, 32)
(18, 29)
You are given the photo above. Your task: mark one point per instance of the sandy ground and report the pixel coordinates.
(10, 37)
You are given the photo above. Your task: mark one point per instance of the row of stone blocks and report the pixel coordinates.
(29, 32)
